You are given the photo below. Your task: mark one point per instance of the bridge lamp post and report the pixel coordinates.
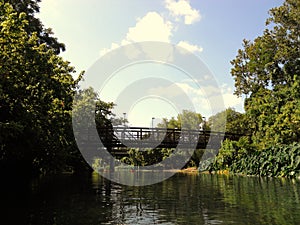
(203, 123)
(153, 118)
(124, 118)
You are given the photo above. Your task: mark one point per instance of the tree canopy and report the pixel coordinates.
(267, 72)
(231, 120)
(187, 119)
(36, 93)
(271, 60)
(34, 25)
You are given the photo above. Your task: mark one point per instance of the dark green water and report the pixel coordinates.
(182, 199)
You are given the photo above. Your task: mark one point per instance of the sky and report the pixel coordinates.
(212, 30)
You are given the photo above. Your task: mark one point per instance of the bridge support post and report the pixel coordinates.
(111, 163)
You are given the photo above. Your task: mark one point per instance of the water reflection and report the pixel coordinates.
(182, 199)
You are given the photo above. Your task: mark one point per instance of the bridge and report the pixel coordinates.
(119, 139)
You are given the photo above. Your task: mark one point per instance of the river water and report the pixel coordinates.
(182, 199)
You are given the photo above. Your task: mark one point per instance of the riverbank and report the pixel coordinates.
(190, 170)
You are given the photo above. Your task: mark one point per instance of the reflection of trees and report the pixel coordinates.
(266, 200)
(174, 201)
(206, 199)
(182, 199)
(71, 200)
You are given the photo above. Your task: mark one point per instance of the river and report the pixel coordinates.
(182, 199)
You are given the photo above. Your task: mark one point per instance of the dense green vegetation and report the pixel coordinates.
(147, 157)
(36, 95)
(233, 121)
(36, 88)
(242, 158)
(267, 72)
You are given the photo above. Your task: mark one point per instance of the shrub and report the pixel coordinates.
(231, 151)
(276, 161)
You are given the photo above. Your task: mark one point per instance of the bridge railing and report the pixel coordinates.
(137, 136)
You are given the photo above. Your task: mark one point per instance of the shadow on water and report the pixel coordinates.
(182, 199)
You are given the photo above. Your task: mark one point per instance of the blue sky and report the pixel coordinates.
(211, 29)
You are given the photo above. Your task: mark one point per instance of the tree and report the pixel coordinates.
(90, 112)
(34, 25)
(267, 71)
(36, 94)
(187, 119)
(231, 120)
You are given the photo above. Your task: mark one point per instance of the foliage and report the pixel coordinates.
(273, 58)
(36, 94)
(240, 157)
(276, 161)
(187, 119)
(119, 121)
(146, 157)
(267, 71)
(231, 120)
(34, 25)
(274, 115)
(231, 151)
(196, 158)
(87, 101)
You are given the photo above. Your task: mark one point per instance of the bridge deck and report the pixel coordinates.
(141, 137)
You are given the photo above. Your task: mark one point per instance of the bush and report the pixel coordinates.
(231, 151)
(276, 161)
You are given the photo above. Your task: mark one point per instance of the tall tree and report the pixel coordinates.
(36, 94)
(267, 71)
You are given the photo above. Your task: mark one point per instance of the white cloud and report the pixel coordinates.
(184, 92)
(106, 50)
(151, 27)
(189, 47)
(203, 98)
(154, 27)
(231, 100)
(182, 8)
